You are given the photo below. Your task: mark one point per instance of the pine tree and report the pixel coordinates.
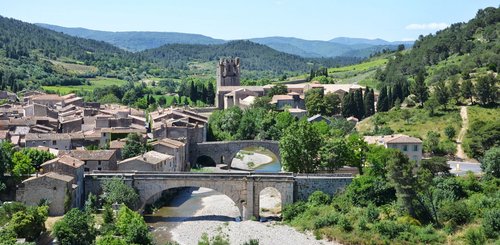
(454, 89)
(467, 90)
(419, 89)
(441, 93)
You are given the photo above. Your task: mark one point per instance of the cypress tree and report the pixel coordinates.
(420, 90)
(390, 98)
(360, 106)
(369, 102)
(383, 102)
(210, 94)
(193, 92)
(347, 105)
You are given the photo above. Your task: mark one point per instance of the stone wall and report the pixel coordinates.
(305, 185)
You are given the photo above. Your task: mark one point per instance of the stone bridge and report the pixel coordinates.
(242, 188)
(224, 151)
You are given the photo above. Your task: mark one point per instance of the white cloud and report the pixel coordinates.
(428, 26)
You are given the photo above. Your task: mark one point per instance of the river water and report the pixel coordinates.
(185, 204)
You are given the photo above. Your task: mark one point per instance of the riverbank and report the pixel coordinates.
(217, 216)
(250, 161)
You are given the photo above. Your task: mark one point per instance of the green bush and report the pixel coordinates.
(475, 236)
(372, 213)
(293, 210)
(344, 223)
(454, 214)
(389, 229)
(318, 198)
(110, 240)
(491, 223)
(328, 220)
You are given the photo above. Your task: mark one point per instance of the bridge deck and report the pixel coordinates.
(174, 175)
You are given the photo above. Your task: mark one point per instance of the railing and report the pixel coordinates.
(108, 173)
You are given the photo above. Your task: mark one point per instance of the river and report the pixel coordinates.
(188, 201)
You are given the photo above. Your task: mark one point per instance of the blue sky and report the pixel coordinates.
(308, 19)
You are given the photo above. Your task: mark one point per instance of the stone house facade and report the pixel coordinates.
(52, 140)
(53, 187)
(410, 146)
(67, 165)
(96, 159)
(149, 161)
(175, 148)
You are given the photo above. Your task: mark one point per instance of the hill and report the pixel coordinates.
(377, 41)
(31, 56)
(138, 41)
(314, 48)
(255, 57)
(135, 40)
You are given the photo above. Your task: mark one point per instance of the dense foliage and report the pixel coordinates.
(116, 191)
(420, 204)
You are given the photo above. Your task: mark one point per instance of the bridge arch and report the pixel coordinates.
(149, 190)
(225, 151)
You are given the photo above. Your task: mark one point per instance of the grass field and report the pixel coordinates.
(73, 68)
(98, 82)
(419, 124)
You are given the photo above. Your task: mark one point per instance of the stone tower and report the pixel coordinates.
(228, 72)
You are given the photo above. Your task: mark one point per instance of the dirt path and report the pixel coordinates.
(465, 125)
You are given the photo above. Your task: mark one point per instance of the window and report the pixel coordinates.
(405, 147)
(54, 142)
(86, 169)
(99, 169)
(99, 163)
(415, 148)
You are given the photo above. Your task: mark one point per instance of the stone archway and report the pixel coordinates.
(270, 205)
(205, 161)
(235, 191)
(225, 151)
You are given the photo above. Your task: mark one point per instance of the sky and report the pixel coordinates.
(392, 20)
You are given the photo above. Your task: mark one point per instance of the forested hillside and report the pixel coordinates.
(255, 57)
(31, 56)
(135, 40)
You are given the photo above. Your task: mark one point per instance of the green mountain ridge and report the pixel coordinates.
(140, 40)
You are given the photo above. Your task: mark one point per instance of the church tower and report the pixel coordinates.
(228, 74)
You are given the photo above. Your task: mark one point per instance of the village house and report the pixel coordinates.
(410, 146)
(149, 161)
(53, 187)
(95, 159)
(52, 140)
(67, 165)
(292, 100)
(175, 148)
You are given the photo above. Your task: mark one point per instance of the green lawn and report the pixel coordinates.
(419, 124)
(98, 82)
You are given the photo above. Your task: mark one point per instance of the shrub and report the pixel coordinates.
(318, 198)
(491, 223)
(110, 240)
(344, 223)
(389, 229)
(475, 236)
(252, 242)
(372, 213)
(454, 214)
(293, 210)
(330, 219)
